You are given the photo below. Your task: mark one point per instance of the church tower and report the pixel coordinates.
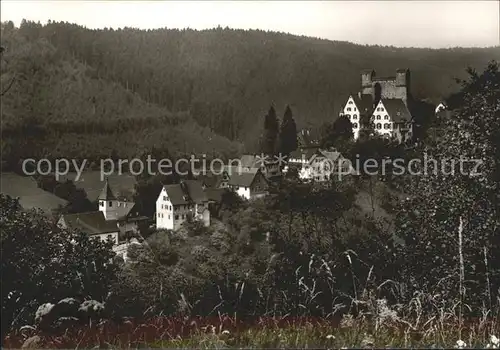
(107, 202)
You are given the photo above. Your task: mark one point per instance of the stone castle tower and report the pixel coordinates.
(386, 87)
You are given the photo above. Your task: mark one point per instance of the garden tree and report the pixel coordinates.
(376, 150)
(42, 263)
(337, 133)
(288, 133)
(270, 134)
(8, 83)
(447, 194)
(423, 114)
(366, 127)
(147, 190)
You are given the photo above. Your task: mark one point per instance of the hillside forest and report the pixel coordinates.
(88, 93)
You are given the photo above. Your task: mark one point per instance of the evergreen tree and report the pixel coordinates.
(338, 131)
(271, 130)
(288, 133)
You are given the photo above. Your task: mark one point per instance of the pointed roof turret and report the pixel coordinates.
(106, 193)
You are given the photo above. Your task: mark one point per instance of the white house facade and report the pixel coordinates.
(249, 185)
(178, 203)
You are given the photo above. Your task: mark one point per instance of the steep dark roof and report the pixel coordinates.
(186, 192)
(209, 180)
(133, 214)
(106, 193)
(397, 109)
(242, 179)
(215, 194)
(364, 103)
(92, 223)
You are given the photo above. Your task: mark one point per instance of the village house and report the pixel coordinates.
(381, 106)
(299, 159)
(116, 220)
(178, 203)
(320, 165)
(249, 184)
(269, 165)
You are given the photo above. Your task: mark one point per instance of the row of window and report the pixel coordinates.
(110, 204)
(386, 126)
(349, 109)
(176, 217)
(378, 117)
(180, 207)
(380, 109)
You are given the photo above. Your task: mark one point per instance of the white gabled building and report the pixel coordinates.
(381, 107)
(178, 203)
(391, 118)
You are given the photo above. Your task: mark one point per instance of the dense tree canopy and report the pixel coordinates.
(463, 185)
(42, 263)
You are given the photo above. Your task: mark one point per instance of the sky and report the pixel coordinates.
(436, 24)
